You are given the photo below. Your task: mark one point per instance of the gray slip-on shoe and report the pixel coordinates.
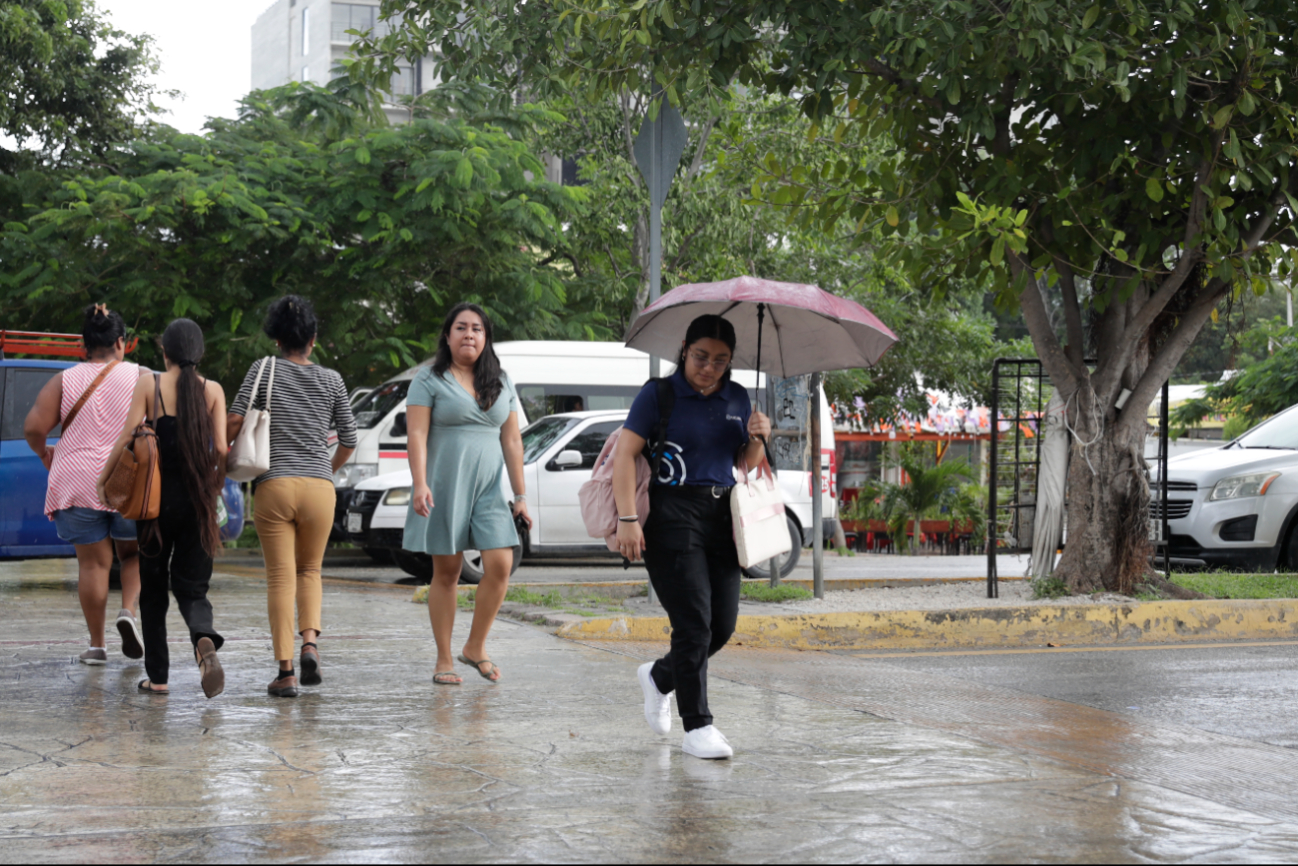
(94, 656)
(129, 628)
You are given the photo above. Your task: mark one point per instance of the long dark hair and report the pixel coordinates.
(182, 343)
(486, 370)
(709, 327)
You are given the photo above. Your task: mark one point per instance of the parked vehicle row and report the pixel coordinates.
(579, 393)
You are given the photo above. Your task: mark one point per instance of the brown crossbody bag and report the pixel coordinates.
(134, 487)
(85, 395)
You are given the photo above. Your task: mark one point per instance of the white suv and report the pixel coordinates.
(1234, 507)
(559, 453)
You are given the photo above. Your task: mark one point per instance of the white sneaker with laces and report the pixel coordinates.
(657, 706)
(707, 743)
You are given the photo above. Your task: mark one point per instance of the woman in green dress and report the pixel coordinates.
(462, 421)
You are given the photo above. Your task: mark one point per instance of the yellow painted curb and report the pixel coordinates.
(1139, 622)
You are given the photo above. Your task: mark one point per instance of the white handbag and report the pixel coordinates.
(250, 454)
(757, 507)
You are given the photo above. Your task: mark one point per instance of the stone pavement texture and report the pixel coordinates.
(838, 758)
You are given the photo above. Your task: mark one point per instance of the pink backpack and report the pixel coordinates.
(598, 508)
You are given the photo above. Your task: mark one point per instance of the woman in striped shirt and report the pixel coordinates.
(70, 498)
(294, 506)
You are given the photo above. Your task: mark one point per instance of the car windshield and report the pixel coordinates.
(1279, 432)
(541, 435)
(375, 406)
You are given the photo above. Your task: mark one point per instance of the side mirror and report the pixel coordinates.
(398, 425)
(568, 459)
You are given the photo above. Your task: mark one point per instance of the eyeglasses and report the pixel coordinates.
(703, 361)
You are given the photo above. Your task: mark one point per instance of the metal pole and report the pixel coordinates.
(994, 429)
(817, 506)
(1163, 444)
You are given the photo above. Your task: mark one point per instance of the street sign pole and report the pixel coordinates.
(817, 505)
(658, 148)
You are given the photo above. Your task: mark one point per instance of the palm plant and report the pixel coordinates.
(929, 490)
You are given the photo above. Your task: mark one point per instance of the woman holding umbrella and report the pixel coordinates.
(688, 541)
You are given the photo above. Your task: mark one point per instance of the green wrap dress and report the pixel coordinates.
(466, 469)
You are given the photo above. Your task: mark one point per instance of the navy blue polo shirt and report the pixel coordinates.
(703, 433)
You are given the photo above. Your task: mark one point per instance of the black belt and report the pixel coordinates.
(696, 491)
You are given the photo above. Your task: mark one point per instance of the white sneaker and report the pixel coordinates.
(657, 706)
(707, 743)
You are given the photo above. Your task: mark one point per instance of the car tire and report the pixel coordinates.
(380, 555)
(788, 562)
(420, 565)
(417, 565)
(471, 571)
(1288, 559)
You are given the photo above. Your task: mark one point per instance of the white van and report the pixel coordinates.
(551, 378)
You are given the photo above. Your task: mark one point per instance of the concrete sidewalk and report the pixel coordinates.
(837, 758)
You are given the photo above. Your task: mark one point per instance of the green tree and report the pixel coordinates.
(382, 227)
(1135, 157)
(71, 86)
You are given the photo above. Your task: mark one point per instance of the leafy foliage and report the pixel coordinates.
(382, 227)
(1259, 391)
(71, 86)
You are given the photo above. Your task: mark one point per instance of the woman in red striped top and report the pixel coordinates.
(75, 463)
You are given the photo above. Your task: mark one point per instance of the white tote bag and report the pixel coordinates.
(250, 454)
(758, 510)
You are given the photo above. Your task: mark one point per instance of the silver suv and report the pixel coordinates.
(1234, 507)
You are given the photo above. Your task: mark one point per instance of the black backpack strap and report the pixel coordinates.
(666, 403)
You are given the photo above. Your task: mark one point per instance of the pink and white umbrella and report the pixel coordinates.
(807, 329)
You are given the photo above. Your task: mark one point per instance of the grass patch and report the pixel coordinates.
(464, 600)
(755, 591)
(1049, 587)
(523, 595)
(1222, 584)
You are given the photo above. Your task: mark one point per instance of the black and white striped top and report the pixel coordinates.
(307, 402)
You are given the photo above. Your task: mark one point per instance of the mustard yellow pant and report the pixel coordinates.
(293, 517)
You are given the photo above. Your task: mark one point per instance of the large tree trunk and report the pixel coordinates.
(1108, 506)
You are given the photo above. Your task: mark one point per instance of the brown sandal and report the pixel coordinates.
(213, 679)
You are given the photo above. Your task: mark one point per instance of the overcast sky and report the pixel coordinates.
(204, 48)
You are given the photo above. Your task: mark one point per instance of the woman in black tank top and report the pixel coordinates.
(177, 548)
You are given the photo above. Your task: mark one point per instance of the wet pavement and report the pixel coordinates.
(904, 758)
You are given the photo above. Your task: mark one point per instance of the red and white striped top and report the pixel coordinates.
(82, 452)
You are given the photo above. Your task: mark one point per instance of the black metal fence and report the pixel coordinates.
(1020, 393)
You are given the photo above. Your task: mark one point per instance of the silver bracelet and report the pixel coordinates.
(629, 518)
(521, 497)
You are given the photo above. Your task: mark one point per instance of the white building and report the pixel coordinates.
(303, 40)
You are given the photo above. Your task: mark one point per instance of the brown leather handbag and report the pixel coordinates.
(134, 487)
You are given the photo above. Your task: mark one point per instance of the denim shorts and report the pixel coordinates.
(78, 525)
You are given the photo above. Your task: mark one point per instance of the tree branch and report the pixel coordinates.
(1062, 372)
(684, 247)
(697, 162)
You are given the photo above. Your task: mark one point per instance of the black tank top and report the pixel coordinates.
(170, 462)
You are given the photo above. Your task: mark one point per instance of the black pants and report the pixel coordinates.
(184, 568)
(690, 554)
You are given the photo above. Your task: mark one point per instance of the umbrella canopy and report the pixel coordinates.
(804, 328)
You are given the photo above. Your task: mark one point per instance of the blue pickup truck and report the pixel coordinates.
(25, 531)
